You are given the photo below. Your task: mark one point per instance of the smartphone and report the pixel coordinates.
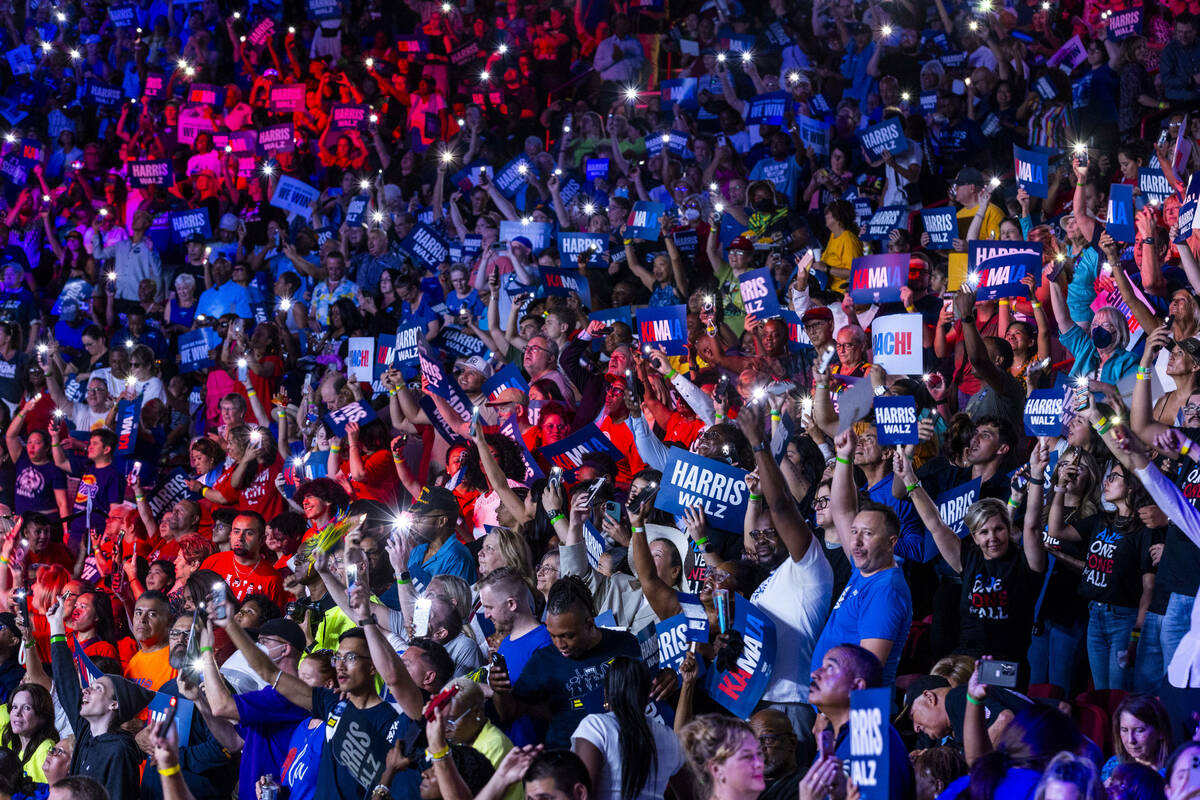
(634, 386)
(721, 601)
(219, 601)
(475, 422)
(243, 370)
(136, 471)
(722, 390)
(497, 659)
(638, 500)
(23, 594)
(1163, 137)
(421, 616)
(999, 673)
(440, 699)
(612, 510)
(827, 358)
(825, 743)
(351, 576)
(556, 477)
(169, 717)
(594, 489)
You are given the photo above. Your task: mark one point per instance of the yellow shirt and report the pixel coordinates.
(992, 217)
(494, 745)
(840, 253)
(33, 764)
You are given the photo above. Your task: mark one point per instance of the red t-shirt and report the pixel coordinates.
(261, 495)
(382, 482)
(266, 387)
(259, 579)
(622, 438)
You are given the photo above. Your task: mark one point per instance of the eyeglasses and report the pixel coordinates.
(69, 595)
(821, 502)
(614, 391)
(846, 345)
(764, 533)
(57, 751)
(453, 723)
(533, 348)
(1191, 409)
(546, 569)
(173, 635)
(349, 659)
(1113, 476)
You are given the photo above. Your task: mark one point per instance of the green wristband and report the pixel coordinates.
(555, 519)
(841, 460)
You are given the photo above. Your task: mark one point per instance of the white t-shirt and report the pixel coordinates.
(796, 597)
(602, 731)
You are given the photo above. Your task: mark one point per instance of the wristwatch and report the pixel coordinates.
(758, 448)
(368, 620)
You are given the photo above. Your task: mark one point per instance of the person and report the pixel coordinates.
(507, 602)
(431, 519)
(724, 756)
(1141, 734)
(938, 710)
(27, 728)
(150, 666)
(243, 568)
(1070, 775)
(781, 762)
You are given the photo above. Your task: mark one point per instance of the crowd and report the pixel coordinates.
(561, 400)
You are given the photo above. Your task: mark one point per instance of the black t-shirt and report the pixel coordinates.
(1062, 603)
(997, 700)
(1114, 563)
(998, 598)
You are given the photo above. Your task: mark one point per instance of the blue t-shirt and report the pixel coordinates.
(453, 558)
(878, 606)
(901, 782)
(517, 652)
(333, 779)
(1081, 291)
(912, 533)
(268, 722)
(300, 764)
(1119, 364)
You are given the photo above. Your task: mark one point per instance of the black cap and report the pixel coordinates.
(282, 628)
(195, 238)
(435, 500)
(969, 176)
(1191, 346)
(919, 687)
(131, 698)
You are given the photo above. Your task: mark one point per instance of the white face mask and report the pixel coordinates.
(692, 214)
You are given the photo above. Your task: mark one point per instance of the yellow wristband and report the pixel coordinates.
(1036, 304)
(169, 771)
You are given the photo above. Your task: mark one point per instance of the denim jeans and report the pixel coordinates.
(1175, 623)
(1054, 652)
(1108, 632)
(1149, 670)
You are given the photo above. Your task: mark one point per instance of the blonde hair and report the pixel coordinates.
(514, 549)
(956, 669)
(983, 510)
(711, 738)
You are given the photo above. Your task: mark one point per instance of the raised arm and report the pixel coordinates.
(289, 686)
(661, 597)
(843, 497)
(792, 529)
(948, 543)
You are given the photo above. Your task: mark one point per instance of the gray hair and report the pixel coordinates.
(1118, 321)
(185, 279)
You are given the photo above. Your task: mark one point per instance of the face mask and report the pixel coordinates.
(1101, 337)
(764, 206)
(692, 214)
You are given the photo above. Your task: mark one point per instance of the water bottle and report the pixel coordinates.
(270, 788)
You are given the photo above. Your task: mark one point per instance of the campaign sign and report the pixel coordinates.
(277, 138)
(1032, 171)
(560, 282)
(287, 97)
(758, 293)
(123, 15)
(610, 315)
(684, 91)
(928, 102)
(405, 353)
(324, 9)
(75, 290)
(509, 179)
(878, 279)
(1119, 220)
(886, 137)
(884, 221)
(595, 542)
(569, 452)
(896, 420)
(870, 739)
(242, 143)
(129, 417)
(1123, 24)
(356, 210)
(691, 480)
(896, 342)
(571, 245)
(465, 54)
(995, 269)
(194, 347)
(205, 94)
(293, 196)
(101, 93)
(1153, 183)
(188, 223)
(594, 168)
(507, 377)
(356, 744)
(150, 173)
(813, 133)
(1110, 295)
(359, 411)
(665, 327)
(538, 233)
(425, 246)
(168, 491)
(439, 383)
(453, 339)
(348, 117)
(359, 354)
(767, 109)
(509, 427)
(156, 85)
(157, 710)
(1187, 215)
(942, 226)
(740, 688)
(21, 60)
(674, 639)
(1043, 413)
(952, 507)
(1069, 56)
(643, 220)
(1044, 88)
(261, 33)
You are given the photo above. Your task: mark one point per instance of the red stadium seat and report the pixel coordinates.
(1047, 690)
(1093, 723)
(1108, 699)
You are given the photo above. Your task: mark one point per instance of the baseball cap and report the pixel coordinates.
(1191, 346)
(195, 238)
(817, 312)
(523, 240)
(9, 620)
(435, 500)
(742, 243)
(282, 628)
(228, 222)
(510, 395)
(917, 688)
(477, 363)
(969, 176)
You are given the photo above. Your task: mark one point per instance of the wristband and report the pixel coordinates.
(432, 756)
(1100, 423)
(1134, 635)
(973, 701)
(281, 414)
(912, 487)
(141, 498)
(671, 375)
(1187, 445)
(404, 578)
(1011, 503)
(702, 542)
(822, 385)
(335, 448)
(841, 460)
(776, 416)
(392, 392)
(58, 637)
(1143, 371)
(719, 417)
(251, 393)
(910, 309)
(756, 498)
(555, 519)
(397, 460)
(3, 560)
(205, 649)
(203, 491)
(638, 529)
(169, 771)
(1003, 302)
(28, 645)
(1141, 376)
(1036, 304)
(1105, 429)
(56, 444)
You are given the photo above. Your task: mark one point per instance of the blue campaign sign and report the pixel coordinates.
(538, 233)
(611, 315)
(77, 291)
(150, 173)
(691, 480)
(425, 246)
(510, 177)
(129, 418)
(356, 211)
(767, 109)
(813, 133)
(157, 709)
(884, 221)
(878, 279)
(797, 338)
(294, 196)
(568, 453)
(385, 355)
(595, 168)
(952, 508)
(510, 428)
(359, 411)
(595, 542)
(1123, 24)
(682, 91)
(186, 223)
(1153, 183)
(1032, 170)
(674, 141)
(571, 245)
(758, 293)
(896, 420)
(870, 741)
(665, 327)
(886, 137)
(194, 347)
(1187, 215)
(942, 226)
(673, 641)
(1044, 413)
(995, 269)
(928, 102)
(452, 339)
(560, 282)
(1119, 220)
(739, 689)
(407, 339)
(507, 377)
(1044, 88)
(643, 220)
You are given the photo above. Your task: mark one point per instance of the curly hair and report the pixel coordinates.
(326, 489)
(570, 593)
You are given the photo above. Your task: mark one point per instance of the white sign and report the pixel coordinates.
(896, 341)
(360, 358)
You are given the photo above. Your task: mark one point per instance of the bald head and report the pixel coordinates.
(778, 740)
